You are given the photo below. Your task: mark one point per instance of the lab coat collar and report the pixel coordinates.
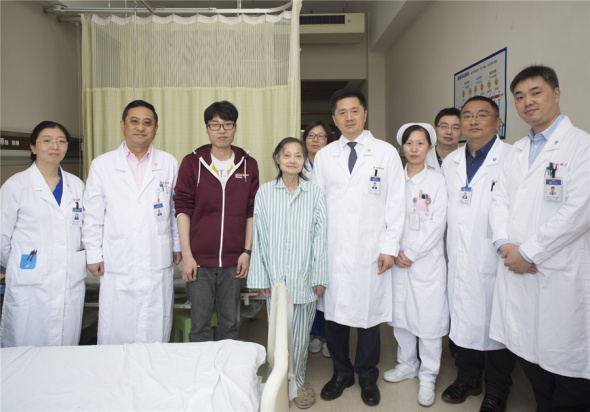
(122, 165)
(418, 178)
(492, 158)
(365, 139)
(543, 158)
(41, 186)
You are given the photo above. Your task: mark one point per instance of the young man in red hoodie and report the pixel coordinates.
(214, 200)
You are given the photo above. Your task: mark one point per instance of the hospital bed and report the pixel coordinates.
(206, 376)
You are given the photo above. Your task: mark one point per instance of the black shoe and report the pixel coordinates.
(459, 391)
(370, 394)
(336, 386)
(492, 404)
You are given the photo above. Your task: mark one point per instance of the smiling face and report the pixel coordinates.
(448, 131)
(537, 103)
(223, 138)
(350, 117)
(139, 128)
(479, 122)
(50, 147)
(313, 142)
(416, 147)
(291, 159)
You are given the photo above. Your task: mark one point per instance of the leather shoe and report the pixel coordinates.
(336, 386)
(459, 391)
(492, 404)
(370, 394)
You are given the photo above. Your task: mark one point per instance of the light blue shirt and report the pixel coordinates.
(289, 240)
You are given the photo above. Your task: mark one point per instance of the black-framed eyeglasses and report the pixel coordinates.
(216, 126)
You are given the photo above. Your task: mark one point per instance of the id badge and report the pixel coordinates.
(375, 185)
(466, 195)
(77, 215)
(553, 190)
(414, 221)
(159, 211)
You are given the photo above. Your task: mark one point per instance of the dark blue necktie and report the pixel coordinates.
(352, 157)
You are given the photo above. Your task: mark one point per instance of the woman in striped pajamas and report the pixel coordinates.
(290, 247)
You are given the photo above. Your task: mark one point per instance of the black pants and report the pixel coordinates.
(555, 392)
(368, 351)
(498, 365)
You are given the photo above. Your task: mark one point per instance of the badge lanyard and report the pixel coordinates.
(158, 206)
(375, 184)
(466, 193)
(77, 215)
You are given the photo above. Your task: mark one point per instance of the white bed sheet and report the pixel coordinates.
(212, 376)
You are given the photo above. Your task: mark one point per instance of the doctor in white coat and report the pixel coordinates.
(448, 133)
(420, 307)
(130, 233)
(540, 217)
(472, 173)
(41, 247)
(363, 183)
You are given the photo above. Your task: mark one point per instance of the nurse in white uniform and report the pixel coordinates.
(41, 247)
(420, 307)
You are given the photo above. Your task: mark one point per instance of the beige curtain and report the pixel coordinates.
(182, 65)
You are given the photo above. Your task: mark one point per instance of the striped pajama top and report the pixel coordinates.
(289, 240)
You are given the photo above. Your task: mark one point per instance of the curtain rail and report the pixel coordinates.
(58, 9)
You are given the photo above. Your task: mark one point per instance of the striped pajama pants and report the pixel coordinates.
(303, 316)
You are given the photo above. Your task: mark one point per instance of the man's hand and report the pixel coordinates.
(402, 261)
(318, 289)
(176, 257)
(265, 293)
(514, 261)
(189, 269)
(243, 266)
(97, 269)
(385, 262)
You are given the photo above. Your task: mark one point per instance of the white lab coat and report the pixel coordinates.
(361, 225)
(420, 292)
(136, 291)
(42, 306)
(545, 318)
(307, 169)
(473, 261)
(431, 159)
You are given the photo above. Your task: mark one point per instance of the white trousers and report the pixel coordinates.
(430, 353)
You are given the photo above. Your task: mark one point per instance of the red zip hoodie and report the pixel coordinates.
(218, 215)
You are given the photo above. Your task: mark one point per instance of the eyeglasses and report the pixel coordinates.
(445, 127)
(60, 142)
(319, 136)
(480, 116)
(216, 126)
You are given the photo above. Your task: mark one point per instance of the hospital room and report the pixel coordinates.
(258, 71)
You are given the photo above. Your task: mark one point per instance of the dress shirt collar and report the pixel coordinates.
(548, 132)
(128, 153)
(360, 140)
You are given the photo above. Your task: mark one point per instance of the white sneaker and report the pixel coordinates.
(315, 345)
(399, 373)
(325, 350)
(426, 393)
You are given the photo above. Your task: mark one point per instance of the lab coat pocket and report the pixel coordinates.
(162, 252)
(32, 275)
(488, 258)
(77, 267)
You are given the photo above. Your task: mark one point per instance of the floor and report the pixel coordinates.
(400, 396)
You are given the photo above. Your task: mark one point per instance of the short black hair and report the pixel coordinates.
(483, 99)
(224, 109)
(327, 129)
(449, 111)
(413, 128)
(547, 73)
(343, 94)
(277, 153)
(139, 103)
(46, 124)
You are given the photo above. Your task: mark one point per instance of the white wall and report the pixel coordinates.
(39, 68)
(449, 36)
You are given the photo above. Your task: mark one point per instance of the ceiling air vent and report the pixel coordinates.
(332, 28)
